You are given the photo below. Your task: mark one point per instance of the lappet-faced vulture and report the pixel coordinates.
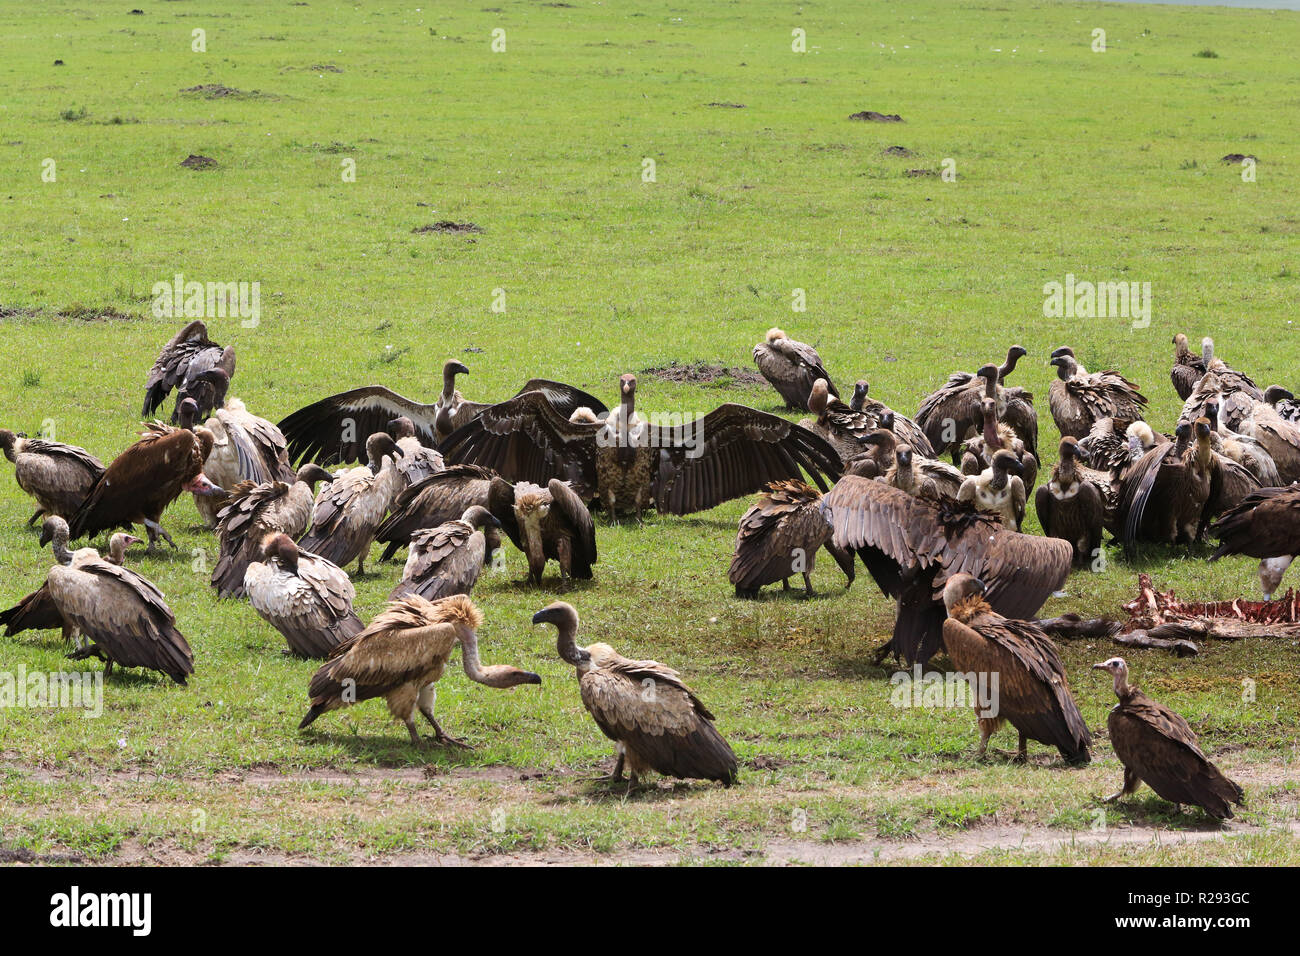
(780, 536)
(401, 656)
(911, 546)
(1018, 662)
(998, 489)
(432, 501)
(1158, 748)
(628, 463)
(181, 363)
(791, 367)
(58, 476)
(350, 509)
(952, 414)
(1188, 367)
(656, 721)
(546, 524)
(448, 559)
(1072, 505)
(1078, 399)
(303, 596)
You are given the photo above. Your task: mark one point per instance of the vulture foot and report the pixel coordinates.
(32, 520)
(446, 740)
(155, 530)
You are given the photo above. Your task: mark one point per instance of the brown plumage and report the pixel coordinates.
(1078, 399)
(644, 707)
(1264, 525)
(780, 536)
(418, 461)
(1072, 506)
(1158, 748)
(845, 427)
(1032, 692)
(951, 414)
(432, 501)
(998, 489)
(181, 363)
(448, 559)
(303, 596)
(1277, 437)
(915, 474)
(790, 367)
(1188, 367)
(883, 416)
(1244, 450)
(58, 476)
(351, 508)
(995, 435)
(401, 656)
(546, 524)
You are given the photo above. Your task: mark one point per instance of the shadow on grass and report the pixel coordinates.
(391, 752)
(1152, 810)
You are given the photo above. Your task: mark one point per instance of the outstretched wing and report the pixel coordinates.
(335, 429)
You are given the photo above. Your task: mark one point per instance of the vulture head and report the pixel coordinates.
(1071, 451)
(1066, 365)
(476, 516)
(565, 619)
(118, 544)
(401, 427)
(311, 473)
(379, 445)
(961, 587)
(1014, 355)
(1272, 395)
(1211, 411)
(886, 420)
(187, 412)
(860, 389)
(54, 529)
(282, 548)
(1180, 344)
(903, 456)
(8, 440)
(210, 388)
(1140, 438)
(1006, 462)
(1118, 669)
(1063, 350)
(1270, 574)
(627, 390)
(880, 438)
(200, 484)
(585, 415)
(450, 369)
(1207, 351)
(819, 398)
(773, 334)
(1182, 436)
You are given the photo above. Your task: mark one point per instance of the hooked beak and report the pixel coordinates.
(201, 485)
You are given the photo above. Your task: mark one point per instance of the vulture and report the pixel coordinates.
(998, 489)
(303, 596)
(1277, 437)
(884, 417)
(142, 481)
(448, 559)
(780, 536)
(58, 476)
(1188, 367)
(1031, 691)
(791, 368)
(1072, 505)
(546, 524)
(181, 363)
(1245, 451)
(400, 657)
(952, 414)
(350, 509)
(916, 474)
(1286, 404)
(911, 546)
(629, 464)
(332, 430)
(978, 451)
(1111, 445)
(844, 427)
(1265, 525)
(1078, 399)
(418, 461)
(1157, 747)
(255, 511)
(433, 501)
(1236, 393)
(655, 720)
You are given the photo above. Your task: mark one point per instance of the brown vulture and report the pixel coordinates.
(1188, 367)
(1158, 748)
(1078, 399)
(333, 429)
(181, 364)
(350, 509)
(1072, 505)
(140, 483)
(1235, 392)
(400, 657)
(432, 501)
(911, 546)
(1021, 666)
(655, 720)
(1285, 402)
(303, 596)
(916, 474)
(1245, 451)
(995, 435)
(1277, 437)
(58, 476)
(998, 489)
(791, 368)
(952, 414)
(780, 537)
(547, 524)
(629, 464)
(845, 427)
(884, 417)
(1265, 525)
(418, 461)
(448, 559)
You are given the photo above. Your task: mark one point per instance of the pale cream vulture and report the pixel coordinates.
(303, 596)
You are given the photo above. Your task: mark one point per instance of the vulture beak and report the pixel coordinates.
(132, 539)
(201, 485)
(457, 368)
(1100, 667)
(542, 617)
(46, 537)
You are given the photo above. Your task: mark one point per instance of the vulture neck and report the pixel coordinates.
(448, 385)
(60, 548)
(1123, 689)
(992, 440)
(1202, 453)
(998, 480)
(566, 643)
(1067, 471)
(489, 676)
(1009, 366)
(969, 608)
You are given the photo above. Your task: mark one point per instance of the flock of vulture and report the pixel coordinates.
(933, 506)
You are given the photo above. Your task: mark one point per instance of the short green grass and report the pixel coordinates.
(1103, 165)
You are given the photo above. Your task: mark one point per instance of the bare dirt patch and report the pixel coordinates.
(447, 226)
(704, 373)
(897, 151)
(195, 161)
(871, 116)
(918, 173)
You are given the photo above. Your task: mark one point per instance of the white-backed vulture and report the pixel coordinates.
(1188, 368)
(917, 475)
(882, 416)
(432, 501)
(655, 720)
(448, 559)
(629, 464)
(182, 361)
(546, 524)
(418, 461)
(978, 450)
(1072, 506)
(1278, 437)
(401, 655)
(1245, 451)
(1158, 748)
(790, 367)
(1018, 662)
(998, 489)
(350, 509)
(911, 546)
(780, 537)
(58, 476)
(334, 429)
(1078, 399)
(142, 481)
(951, 414)
(1235, 393)
(303, 596)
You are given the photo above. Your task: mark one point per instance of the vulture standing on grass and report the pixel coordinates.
(255, 511)
(1188, 368)
(180, 364)
(1265, 525)
(433, 501)
(1158, 748)
(418, 461)
(780, 537)
(400, 657)
(978, 451)
(333, 430)
(546, 524)
(58, 476)
(1078, 399)
(791, 368)
(1072, 506)
(655, 720)
(141, 482)
(952, 413)
(911, 546)
(448, 559)
(303, 596)
(998, 489)
(1032, 692)
(350, 509)
(629, 464)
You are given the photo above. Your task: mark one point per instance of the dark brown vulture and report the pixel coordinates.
(1072, 506)
(303, 596)
(334, 429)
(1113, 444)
(1265, 525)
(350, 509)
(897, 463)
(780, 537)
(952, 414)
(995, 435)
(998, 489)
(546, 524)
(911, 546)
(656, 721)
(400, 657)
(846, 427)
(433, 501)
(629, 464)
(1188, 368)
(791, 368)
(181, 363)
(1158, 748)
(883, 416)
(255, 511)
(1018, 662)
(448, 559)
(418, 461)
(58, 476)
(1078, 398)
(141, 482)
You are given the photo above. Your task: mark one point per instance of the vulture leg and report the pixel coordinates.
(38, 513)
(785, 586)
(410, 729)
(807, 585)
(424, 702)
(564, 555)
(986, 731)
(617, 773)
(155, 529)
(1131, 782)
(1022, 754)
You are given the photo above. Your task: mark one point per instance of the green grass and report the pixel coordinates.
(1104, 165)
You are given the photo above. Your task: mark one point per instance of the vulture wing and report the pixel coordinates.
(397, 648)
(433, 501)
(1136, 486)
(36, 612)
(784, 518)
(70, 454)
(566, 399)
(1264, 524)
(566, 503)
(147, 476)
(442, 561)
(172, 362)
(335, 429)
(313, 610)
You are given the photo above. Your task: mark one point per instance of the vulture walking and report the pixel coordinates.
(791, 367)
(350, 509)
(780, 536)
(433, 501)
(952, 414)
(1072, 506)
(546, 524)
(1158, 748)
(303, 596)
(401, 655)
(655, 720)
(58, 476)
(1078, 398)
(1018, 662)
(448, 559)
(181, 364)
